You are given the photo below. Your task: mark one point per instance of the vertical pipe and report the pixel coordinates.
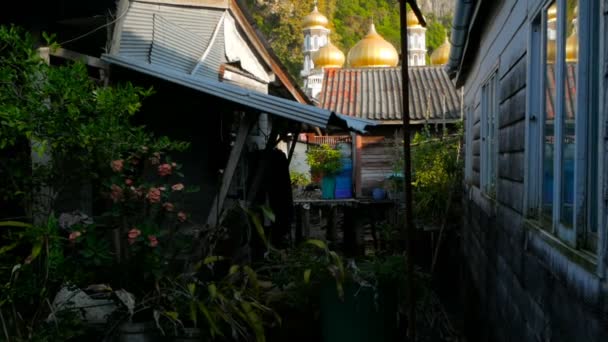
(407, 172)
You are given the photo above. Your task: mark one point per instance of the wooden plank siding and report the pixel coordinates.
(376, 162)
(531, 285)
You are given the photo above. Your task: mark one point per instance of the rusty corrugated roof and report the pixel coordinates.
(375, 94)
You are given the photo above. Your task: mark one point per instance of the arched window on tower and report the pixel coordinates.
(307, 42)
(415, 60)
(421, 41)
(315, 43)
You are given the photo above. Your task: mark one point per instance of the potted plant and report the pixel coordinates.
(327, 161)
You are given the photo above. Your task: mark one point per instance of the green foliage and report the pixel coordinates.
(74, 125)
(437, 171)
(299, 179)
(349, 20)
(325, 159)
(230, 305)
(435, 36)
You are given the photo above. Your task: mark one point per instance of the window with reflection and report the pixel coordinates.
(563, 121)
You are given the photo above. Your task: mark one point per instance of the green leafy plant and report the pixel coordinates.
(229, 305)
(325, 159)
(299, 179)
(72, 125)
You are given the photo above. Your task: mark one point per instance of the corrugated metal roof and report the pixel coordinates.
(375, 94)
(274, 105)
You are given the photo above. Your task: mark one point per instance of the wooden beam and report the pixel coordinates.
(76, 56)
(235, 154)
(293, 146)
(261, 168)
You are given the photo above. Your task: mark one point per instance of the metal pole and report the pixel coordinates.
(407, 172)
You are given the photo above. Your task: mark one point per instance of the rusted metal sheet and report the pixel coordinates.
(375, 94)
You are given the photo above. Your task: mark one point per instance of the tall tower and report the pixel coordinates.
(416, 41)
(316, 35)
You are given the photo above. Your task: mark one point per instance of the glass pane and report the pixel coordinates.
(568, 145)
(549, 111)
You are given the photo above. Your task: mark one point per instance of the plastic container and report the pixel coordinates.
(328, 187)
(345, 149)
(344, 184)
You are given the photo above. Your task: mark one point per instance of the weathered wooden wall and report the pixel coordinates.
(531, 286)
(376, 162)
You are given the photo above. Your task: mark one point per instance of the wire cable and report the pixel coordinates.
(98, 28)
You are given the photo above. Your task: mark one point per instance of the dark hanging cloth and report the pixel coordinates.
(275, 191)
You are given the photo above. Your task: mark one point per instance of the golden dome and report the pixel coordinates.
(315, 19)
(329, 56)
(572, 48)
(412, 20)
(572, 41)
(551, 51)
(373, 51)
(552, 12)
(441, 55)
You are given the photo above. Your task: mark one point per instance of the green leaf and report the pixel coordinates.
(268, 213)
(193, 312)
(233, 269)
(307, 276)
(253, 277)
(318, 243)
(212, 259)
(35, 251)
(212, 324)
(8, 248)
(191, 288)
(15, 224)
(212, 290)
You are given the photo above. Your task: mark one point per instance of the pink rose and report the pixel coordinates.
(128, 182)
(153, 240)
(177, 187)
(154, 195)
(164, 170)
(182, 216)
(168, 206)
(74, 235)
(133, 234)
(116, 193)
(117, 165)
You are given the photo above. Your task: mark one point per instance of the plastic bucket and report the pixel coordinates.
(328, 187)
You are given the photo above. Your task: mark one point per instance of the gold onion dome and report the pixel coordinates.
(329, 56)
(552, 12)
(373, 51)
(572, 41)
(315, 19)
(412, 19)
(441, 55)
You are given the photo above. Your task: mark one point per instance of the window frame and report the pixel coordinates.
(587, 208)
(489, 153)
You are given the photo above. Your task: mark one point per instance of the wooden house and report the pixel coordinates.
(375, 94)
(217, 85)
(534, 76)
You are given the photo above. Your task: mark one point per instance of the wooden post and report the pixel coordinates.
(358, 166)
(235, 154)
(306, 220)
(409, 227)
(292, 148)
(332, 218)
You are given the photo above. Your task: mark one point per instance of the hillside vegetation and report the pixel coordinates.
(281, 23)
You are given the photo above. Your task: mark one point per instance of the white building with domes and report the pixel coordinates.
(372, 51)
